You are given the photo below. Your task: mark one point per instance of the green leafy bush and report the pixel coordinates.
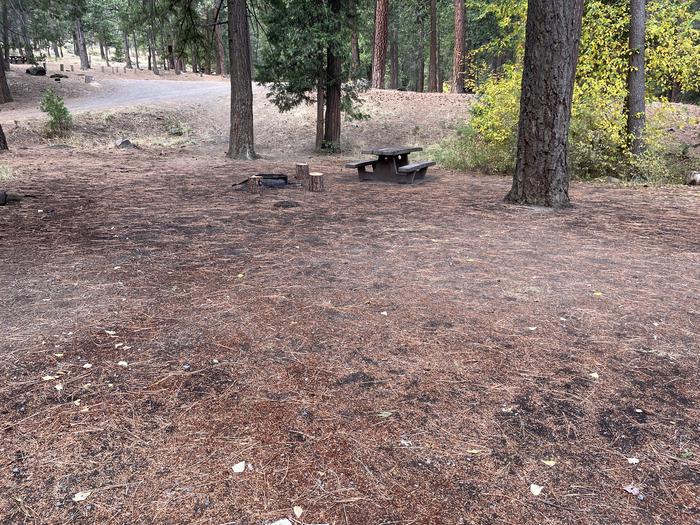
(597, 136)
(60, 120)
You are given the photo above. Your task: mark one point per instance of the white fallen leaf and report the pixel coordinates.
(117, 267)
(385, 413)
(118, 345)
(87, 366)
(298, 511)
(638, 410)
(58, 355)
(536, 489)
(59, 387)
(239, 467)
(562, 318)
(241, 275)
(123, 364)
(473, 451)
(77, 402)
(532, 328)
(110, 332)
(632, 461)
(405, 443)
(384, 313)
(82, 496)
(594, 375)
(49, 378)
(549, 462)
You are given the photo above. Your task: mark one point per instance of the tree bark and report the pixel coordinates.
(381, 20)
(320, 113)
(152, 57)
(432, 66)
(5, 95)
(127, 55)
(331, 135)
(220, 53)
(80, 41)
(420, 59)
(5, 36)
(636, 119)
(354, 42)
(458, 57)
(241, 141)
(136, 51)
(552, 36)
(394, 47)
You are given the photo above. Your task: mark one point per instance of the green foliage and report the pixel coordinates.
(597, 135)
(60, 120)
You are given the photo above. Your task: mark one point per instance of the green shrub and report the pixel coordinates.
(60, 120)
(597, 136)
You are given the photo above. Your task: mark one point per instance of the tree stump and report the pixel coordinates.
(302, 171)
(255, 184)
(61, 66)
(71, 67)
(315, 182)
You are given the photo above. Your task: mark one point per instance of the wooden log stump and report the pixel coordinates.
(255, 184)
(62, 67)
(302, 171)
(315, 182)
(72, 68)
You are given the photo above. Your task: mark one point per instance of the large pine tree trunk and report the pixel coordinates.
(432, 66)
(5, 36)
(420, 58)
(381, 20)
(320, 114)
(458, 57)
(127, 55)
(331, 136)
(354, 42)
(82, 47)
(220, 53)
(241, 144)
(635, 77)
(552, 36)
(152, 57)
(5, 95)
(136, 51)
(394, 82)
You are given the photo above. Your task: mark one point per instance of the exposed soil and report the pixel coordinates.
(375, 353)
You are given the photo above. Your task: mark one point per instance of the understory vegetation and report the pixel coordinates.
(60, 121)
(598, 140)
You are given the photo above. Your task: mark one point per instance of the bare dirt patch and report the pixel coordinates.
(377, 353)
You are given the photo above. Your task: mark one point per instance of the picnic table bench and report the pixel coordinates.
(18, 59)
(392, 165)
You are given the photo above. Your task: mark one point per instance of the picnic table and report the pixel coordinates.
(392, 165)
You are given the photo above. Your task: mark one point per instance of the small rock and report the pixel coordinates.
(124, 144)
(693, 179)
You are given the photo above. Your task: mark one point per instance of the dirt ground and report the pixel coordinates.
(375, 354)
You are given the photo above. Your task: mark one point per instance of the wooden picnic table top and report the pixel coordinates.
(390, 151)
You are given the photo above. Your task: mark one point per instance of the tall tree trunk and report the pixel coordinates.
(381, 20)
(354, 42)
(80, 41)
(129, 65)
(220, 53)
(552, 36)
(438, 64)
(54, 48)
(458, 57)
(102, 49)
(171, 56)
(432, 67)
(152, 58)
(420, 62)
(320, 103)
(394, 48)
(107, 55)
(26, 41)
(136, 51)
(241, 140)
(5, 95)
(636, 119)
(334, 79)
(5, 36)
